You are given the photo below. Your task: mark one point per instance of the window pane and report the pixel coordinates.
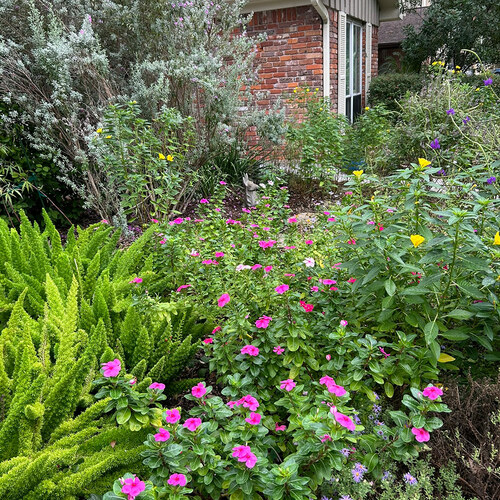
(348, 108)
(348, 59)
(356, 60)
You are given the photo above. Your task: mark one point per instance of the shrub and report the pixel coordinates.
(390, 88)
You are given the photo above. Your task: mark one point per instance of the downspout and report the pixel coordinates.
(323, 12)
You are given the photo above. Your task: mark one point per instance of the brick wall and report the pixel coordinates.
(292, 55)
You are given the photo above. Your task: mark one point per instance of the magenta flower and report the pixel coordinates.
(162, 435)
(203, 200)
(263, 321)
(314, 289)
(224, 299)
(132, 487)
(306, 307)
(421, 435)
(278, 350)
(199, 390)
(343, 322)
(216, 329)
(381, 349)
(326, 380)
(287, 384)
(268, 269)
(281, 289)
(177, 480)
(250, 349)
(351, 280)
(254, 418)
(244, 454)
(326, 437)
(192, 424)
(208, 340)
(222, 183)
(331, 219)
(328, 282)
(111, 368)
(328, 357)
(342, 419)
(219, 254)
(136, 280)
(432, 392)
(157, 386)
(249, 402)
(291, 220)
(182, 287)
(256, 266)
(279, 428)
(338, 390)
(172, 416)
(309, 242)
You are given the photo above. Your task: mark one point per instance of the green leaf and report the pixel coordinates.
(390, 287)
(293, 344)
(389, 389)
(123, 416)
(460, 314)
(370, 461)
(430, 331)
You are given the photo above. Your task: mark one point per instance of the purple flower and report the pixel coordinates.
(450, 111)
(356, 475)
(360, 467)
(386, 476)
(435, 144)
(345, 497)
(488, 81)
(441, 172)
(345, 452)
(466, 120)
(491, 180)
(409, 479)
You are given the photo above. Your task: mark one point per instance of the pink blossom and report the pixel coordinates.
(244, 454)
(338, 390)
(162, 242)
(177, 480)
(203, 200)
(268, 268)
(132, 487)
(328, 357)
(331, 219)
(207, 262)
(291, 220)
(254, 418)
(328, 282)
(156, 386)
(256, 266)
(421, 435)
(155, 221)
(279, 428)
(172, 416)
(219, 254)
(432, 392)
(111, 368)
(250, 349)
(343, 322)
(182, 287)
(162, 435)
(326, 213)
(208, 340)
(306, 307)
(136, 280)
(342, 419)
(216, 329)
(309, 262)
(351, 280)
(281, 289)
(104, 221)
(326, 380)
(133, 381)
(289, 274)
(351, 241)
(249, 402)
(192, 424)
(278, 350)
(348, 193)
(222, 183)
(334, 288)
(224, 299)
(290, 248)
(381, 349)
(267, 244)
(263, 322)
(287, 384)
(199, 390)
(194, 253)
(337, 265)
(326, 437)
(314, 289)
(309, 242)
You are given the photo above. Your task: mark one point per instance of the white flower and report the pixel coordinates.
(271, 183)
(309, 262)
(241, 267)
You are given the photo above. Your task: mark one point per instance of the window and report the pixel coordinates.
(353, 70)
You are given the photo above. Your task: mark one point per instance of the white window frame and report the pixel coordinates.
(350, 23)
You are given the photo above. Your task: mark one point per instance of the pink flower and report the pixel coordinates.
(314, 289)
(326, 213)
(250, 349)
(194, 253)
(268, 268)
(381, 349)
(216, 329)
(133, 381)
(222, 183)
(291, 220)
(278, 350)
(162, 242)
(306, 307)
(192, 424)
(156, 386)
(287, 384)
(177, 480)
(328, 282)
(199, 390)
(289, 274)
(203, 200)
(281, 289)
(371, 222)
(351, 280)
(338, 390)
(248, 402)
(155, 221)
(342, 419)
(326, 437)
(421, 435)
(337, 265)
(334, 288)
(163, 435)
(267, 244)
(309, 242)
(279, 428)
(351, 242)
(224, 299)
(111, 368)
(132, 487)
(136, 280)
(263, 321)
(343, 322)
(348, 193)
(309, 262)
(326, 380)
(207, 262)
(256, 266)
(244, 454)
(104, 221)
(219, 254)
(172, 416)
(183, 286)
(328, 357)
(432, 392)
(254, 418)
(331, 219)
(208, 340)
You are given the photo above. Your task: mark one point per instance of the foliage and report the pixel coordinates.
(314, 137)
(390, 88)
(449, 26)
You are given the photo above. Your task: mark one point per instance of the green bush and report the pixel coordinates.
(389, 88)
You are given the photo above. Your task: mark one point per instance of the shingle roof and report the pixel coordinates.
(391, 32)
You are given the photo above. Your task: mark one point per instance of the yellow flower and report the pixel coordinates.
(477, 90)
(170, 158)
(496, 240)
(367, 108)
(457, 67)
(358, 173)
(294, 91)
(108, 137)
(99, 130)
(434, 63)
(423, 162)
(416, 239)
(317, 90)
(161, 156)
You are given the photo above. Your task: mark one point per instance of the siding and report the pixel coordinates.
(364, 10)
